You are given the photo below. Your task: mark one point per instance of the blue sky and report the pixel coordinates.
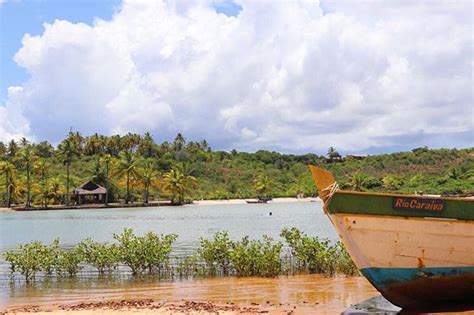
(27, 16)
(19, 17)
(294, 76)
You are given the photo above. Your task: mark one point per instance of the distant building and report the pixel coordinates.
(88, 193)
(356, 156)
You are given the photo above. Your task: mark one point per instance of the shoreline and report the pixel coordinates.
(244, 201)
(203, 202)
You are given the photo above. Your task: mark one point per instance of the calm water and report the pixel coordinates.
(189, 222)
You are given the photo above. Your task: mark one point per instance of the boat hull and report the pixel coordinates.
(414, 262)
(418, 251)
(425, 288)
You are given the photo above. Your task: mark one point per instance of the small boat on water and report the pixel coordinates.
(259, 200)
(417, 251)
(256, 201)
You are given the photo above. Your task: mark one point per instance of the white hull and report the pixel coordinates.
(400, 242)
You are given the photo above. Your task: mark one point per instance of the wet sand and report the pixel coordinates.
(302, 294)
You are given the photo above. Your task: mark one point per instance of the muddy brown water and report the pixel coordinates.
(306, 293)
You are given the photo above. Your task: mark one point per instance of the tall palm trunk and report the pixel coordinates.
(28, 185)
(7, 190)
(127, 199)
(43, 182)
(67, 184)
(146, 192)
(107, 183)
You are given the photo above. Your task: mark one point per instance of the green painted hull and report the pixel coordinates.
(401, 205)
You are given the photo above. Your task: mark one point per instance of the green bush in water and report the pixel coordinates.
(102, 256)
(144, 253)
(318, 256)
(190, 266)
(32, 258)
(69, 261)
(150, 253)
(345, 263)
(216, 252)
(256, 257)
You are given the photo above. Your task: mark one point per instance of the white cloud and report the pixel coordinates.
(286, 76)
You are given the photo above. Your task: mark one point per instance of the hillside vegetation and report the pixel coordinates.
(136, 169)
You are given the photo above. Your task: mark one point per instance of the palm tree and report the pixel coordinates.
(333, 154)
(8, 170)
(262, 185)
(148, 178)
(454, 173)
(97, 171)
(358, 181)
(27, 155)
(93, 145)
(12, 148)
(106, 159)
(127, 166)
(177, 183)
(76, 141)
(3, 149)
(40, 168)
(42, 193)
(55, 190)
(179, 142)
(66, 153)
(147, 145)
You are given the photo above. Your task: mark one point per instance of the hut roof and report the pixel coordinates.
(89, 188)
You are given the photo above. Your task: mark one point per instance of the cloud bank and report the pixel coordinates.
(293, 77)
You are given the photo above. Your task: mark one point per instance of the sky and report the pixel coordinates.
(295, 77)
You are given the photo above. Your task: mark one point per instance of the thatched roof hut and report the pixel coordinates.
(89, 192)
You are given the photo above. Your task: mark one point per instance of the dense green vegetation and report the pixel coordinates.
(136, 169)
(150, 254)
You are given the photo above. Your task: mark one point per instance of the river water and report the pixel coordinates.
(188, 222)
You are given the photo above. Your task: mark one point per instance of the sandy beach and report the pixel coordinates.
(244, 201)
(161, 203)
(301, 294)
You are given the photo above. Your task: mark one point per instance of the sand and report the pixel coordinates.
(244, 201)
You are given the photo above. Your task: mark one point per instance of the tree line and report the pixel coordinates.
(127, 162)
(136, 168)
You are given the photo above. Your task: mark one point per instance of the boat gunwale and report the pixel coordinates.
(381, 194)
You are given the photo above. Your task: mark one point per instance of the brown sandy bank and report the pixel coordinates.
(302, 294)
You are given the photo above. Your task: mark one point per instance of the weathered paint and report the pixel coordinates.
(418, 288)
(388, 241)
(386, 204)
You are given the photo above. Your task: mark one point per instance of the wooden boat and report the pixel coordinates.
(418, 251)
(256, 201)
(259, 200)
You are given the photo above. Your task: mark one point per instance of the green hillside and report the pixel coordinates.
(184, 170)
